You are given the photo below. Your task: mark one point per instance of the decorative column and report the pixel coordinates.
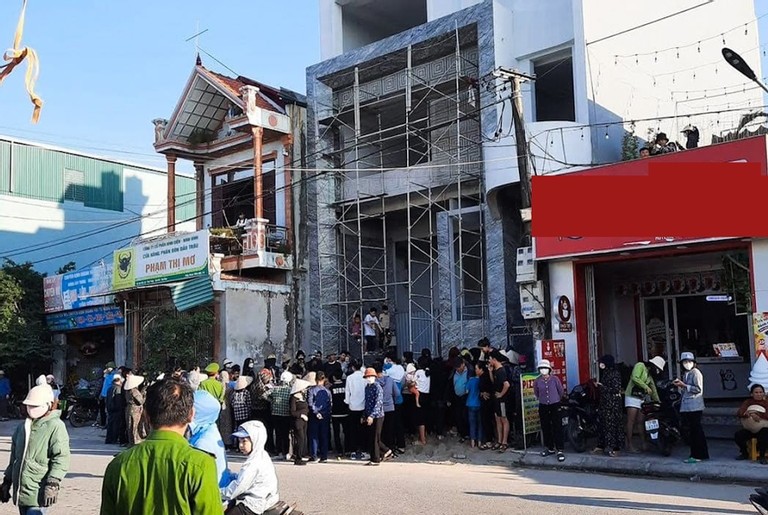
(199, 194)
(171, 159)
(288, 174)
(258, 201)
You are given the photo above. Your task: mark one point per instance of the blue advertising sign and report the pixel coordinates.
(85, 318)
(77, 290)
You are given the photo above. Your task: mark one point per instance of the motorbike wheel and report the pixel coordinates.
(665, 444)
(576, 435)
(78, 417)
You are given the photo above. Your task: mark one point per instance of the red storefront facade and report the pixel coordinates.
(638, 296)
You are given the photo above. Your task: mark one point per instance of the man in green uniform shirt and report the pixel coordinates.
(213, 385)
(164, 474)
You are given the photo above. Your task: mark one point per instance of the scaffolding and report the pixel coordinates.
(407, 199)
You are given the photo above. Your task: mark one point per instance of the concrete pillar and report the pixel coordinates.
(171, 160)
(59, 361)
(199, 194)
(121, 347)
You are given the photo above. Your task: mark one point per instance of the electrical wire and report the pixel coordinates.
(689, 45)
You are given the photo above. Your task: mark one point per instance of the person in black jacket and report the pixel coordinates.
(115, 405)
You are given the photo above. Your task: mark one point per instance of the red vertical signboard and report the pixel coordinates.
(554, 351)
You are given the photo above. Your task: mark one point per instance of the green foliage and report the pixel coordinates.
(69, 267)
(629, 145)
(178, 339)
(24, 337)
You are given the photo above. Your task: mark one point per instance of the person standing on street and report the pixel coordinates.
(115, 412)
(300, 414)
(134, 408)
(39, 456)
(279, 398)
(339, 415)
(5, 393)
(164, 475)
(354, 396)
(609, 413)
(320, 402)
(374, 417)
(549, 392)
(692, 406)
(212, 385)
(108, 376)
(501, 387)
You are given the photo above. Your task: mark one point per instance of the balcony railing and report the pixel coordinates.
(236, 241)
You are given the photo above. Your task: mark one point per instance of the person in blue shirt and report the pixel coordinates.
(320, 404)
(473, 407)
(5, 393)
(109, 377)
(205, 435)
(458, 396)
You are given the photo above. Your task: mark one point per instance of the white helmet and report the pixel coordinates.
(286, 377)
(40, 395)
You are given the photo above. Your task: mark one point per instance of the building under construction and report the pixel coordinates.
(396, 176)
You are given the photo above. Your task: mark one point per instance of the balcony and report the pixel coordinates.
(253, 245)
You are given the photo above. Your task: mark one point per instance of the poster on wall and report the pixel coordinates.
(161, 260)
(77, 290)
(760, 328)
(554, 351)
(531, 422)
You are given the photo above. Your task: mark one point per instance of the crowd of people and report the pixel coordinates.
(179, 425)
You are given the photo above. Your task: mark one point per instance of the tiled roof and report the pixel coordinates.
(234, 85)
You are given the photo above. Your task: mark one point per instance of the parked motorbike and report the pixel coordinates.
(580, 420)
(662, 419)
(81, 410)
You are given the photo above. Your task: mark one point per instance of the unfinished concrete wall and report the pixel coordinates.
(256, 321)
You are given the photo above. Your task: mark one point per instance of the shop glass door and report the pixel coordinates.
(659, 318)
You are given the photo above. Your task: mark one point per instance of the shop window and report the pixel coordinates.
(553, 88)
(703, 324)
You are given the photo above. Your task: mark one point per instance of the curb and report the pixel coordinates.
(666, 468)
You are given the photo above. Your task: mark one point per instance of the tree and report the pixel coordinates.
(629, 144)
(178, 339)
(24, 338)
(69, 267)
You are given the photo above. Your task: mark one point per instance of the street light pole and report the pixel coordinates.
(742, 67)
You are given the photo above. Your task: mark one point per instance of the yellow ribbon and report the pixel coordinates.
(14, 56)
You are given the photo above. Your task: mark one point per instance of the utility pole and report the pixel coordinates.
(515, 79)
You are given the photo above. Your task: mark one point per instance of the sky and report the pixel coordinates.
(108, 67)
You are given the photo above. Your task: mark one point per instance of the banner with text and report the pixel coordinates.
(161, 260)
(531, 422)
(87, 318)
(77, 290)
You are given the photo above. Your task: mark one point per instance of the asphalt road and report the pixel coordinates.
(341, 487)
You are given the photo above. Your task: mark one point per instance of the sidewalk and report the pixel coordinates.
(722, 465)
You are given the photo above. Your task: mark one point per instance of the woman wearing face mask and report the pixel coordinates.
(692, 406)
(39, 455)
(609, 416)
(374, 416)
(549, 392)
